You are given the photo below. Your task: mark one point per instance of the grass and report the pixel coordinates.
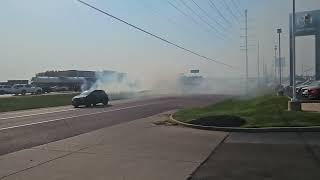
(15, 103)
(31, 102)
(263, 111)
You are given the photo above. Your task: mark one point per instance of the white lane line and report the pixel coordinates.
(70, 117)
(35, 114)
(38, 110)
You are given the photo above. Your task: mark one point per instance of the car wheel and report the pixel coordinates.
(88, 105)
(23, 92)
(38, 92)
(105, 102)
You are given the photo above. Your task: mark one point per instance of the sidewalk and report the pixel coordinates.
(265, 156)
(136, 151)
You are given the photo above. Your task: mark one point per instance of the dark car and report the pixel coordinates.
(89, 98)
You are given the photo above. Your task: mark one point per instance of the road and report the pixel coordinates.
(26, 129)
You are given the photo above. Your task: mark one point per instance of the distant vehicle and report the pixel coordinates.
(299, 88)
(89, 98)
(314, 92)
(60, 88)
(5, 89)
(23, 89)
(304, 91)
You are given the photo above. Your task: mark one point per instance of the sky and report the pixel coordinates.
(41, 35)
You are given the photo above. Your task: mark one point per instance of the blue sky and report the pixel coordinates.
(39, 35)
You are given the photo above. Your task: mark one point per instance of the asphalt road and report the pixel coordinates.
(25, 129)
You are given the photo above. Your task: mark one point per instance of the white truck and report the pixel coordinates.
(23, 89)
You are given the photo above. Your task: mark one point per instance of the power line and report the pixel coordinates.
(185, 14)
(158, 13)
(230, 11)
(213, 6)
(236, 7)
(208, 15)
(153, 35)
(203, 20)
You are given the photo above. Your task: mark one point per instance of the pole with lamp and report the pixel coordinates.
(294, 104)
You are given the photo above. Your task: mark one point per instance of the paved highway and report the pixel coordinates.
(25, 129)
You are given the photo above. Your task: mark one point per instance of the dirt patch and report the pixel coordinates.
(165, 123)
(219, 121)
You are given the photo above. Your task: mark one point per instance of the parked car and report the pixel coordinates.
(89, 98)
(4, 89)
(314, 92)
(299, 88)
(304, 91)
(23, 89)
(60, 88)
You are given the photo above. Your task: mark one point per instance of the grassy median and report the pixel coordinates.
(31, 102)
(263, 111)
(15, 103)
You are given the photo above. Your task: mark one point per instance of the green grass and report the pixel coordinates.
(263, 111)
(32, 102)
(15, 103)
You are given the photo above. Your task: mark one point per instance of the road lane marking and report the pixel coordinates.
(36, 114)
(70, 117)
(39, 110)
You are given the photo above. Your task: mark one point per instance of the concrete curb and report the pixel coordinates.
(248, 130)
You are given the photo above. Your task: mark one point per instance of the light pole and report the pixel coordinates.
(258, 63)
(247, 64)
(279, 31)
(275, 63)
(294, 95)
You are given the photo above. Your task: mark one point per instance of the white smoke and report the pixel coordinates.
(114, 82)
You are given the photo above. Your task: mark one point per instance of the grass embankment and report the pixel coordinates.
(263, 111)
(32, 102)
(15, 103)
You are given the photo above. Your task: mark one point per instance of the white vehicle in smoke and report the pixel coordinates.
(23, 89)
(5, 89)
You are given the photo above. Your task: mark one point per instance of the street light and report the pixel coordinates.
(279, 31)
(275, 63)
(294, 95)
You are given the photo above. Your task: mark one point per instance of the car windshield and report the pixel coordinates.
(316, 83)
(85, 93)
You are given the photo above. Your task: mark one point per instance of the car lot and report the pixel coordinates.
(305, 90)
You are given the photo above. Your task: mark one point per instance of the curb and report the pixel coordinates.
(248, 130)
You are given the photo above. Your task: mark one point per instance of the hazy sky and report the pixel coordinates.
(40, 35)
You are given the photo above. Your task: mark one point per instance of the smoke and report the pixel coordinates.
(115, 82)
(121, 85)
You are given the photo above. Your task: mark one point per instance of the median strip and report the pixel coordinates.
(260, 114)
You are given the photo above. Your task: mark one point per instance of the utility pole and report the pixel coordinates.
(275, 63)
(258, 63)
(279, 31)
(246, 49)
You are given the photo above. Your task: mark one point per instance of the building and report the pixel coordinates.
(73, 79)
(13, 82)
(68, 73)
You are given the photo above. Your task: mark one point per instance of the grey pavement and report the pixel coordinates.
(133, 150)
(264, 156)
(314, 107)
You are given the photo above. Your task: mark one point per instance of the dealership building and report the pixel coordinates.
(73, 79)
